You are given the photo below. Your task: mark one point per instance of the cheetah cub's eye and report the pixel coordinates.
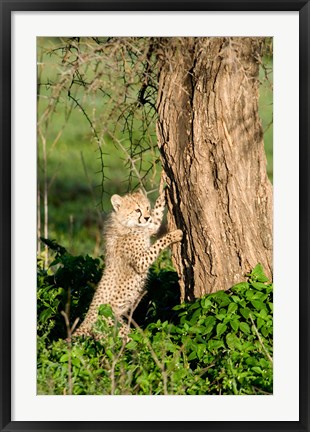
(138, 210)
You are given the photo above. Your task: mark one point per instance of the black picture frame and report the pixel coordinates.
(7, 7)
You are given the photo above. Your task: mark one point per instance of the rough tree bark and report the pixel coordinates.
(211, 141)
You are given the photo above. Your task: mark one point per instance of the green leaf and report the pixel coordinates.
(75, 361)
(233, 342)
(245, 328)
(221, 298)
(225, 301)
(132, 345)
(179, 306)
(53, 245)
(201, 349)
(259, 323)
(64, 358)
(250, 293)
(196, 316)
(235, 324)
(45, 315)
(264, 363)
(110, 354)
(215, 344)
(258, 274)
(209, 324)
(106, 311)
(220, 329)
(259, 296)
(259, 305)
(242, 286)
(248, 346)
(192, 356)
(265, 331)
(245, 312)
(263, 314)
(258, 285)
(233, 307)
(196, 329)
(195, 305)
(205, 303)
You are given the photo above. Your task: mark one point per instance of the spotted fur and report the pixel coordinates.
(128, 256)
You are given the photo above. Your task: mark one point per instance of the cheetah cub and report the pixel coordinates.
(128, 256)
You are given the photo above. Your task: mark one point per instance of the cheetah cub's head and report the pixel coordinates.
(132, 210)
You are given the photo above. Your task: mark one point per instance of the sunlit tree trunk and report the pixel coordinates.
(211, 141)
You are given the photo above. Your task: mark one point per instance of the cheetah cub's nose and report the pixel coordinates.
(147, 218)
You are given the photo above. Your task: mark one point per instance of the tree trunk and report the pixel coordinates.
(211, 141)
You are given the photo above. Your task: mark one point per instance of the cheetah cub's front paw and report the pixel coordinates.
(176, 236)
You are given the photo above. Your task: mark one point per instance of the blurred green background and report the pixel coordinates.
(69, 161)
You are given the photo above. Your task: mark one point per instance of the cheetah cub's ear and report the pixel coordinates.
(116, 201)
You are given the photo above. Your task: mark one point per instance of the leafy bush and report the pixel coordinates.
(68, 285)
(219, 344)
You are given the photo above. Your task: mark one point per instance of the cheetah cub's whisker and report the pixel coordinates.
(128, 256)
